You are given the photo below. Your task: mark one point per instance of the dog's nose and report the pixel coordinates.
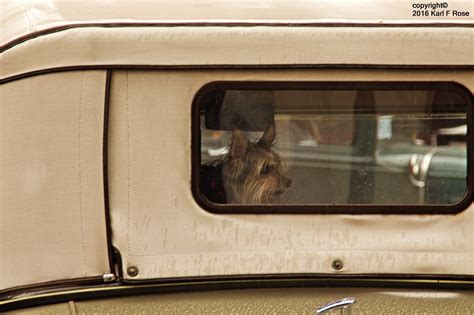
(287, 182)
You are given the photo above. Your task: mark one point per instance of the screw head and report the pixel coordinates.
(337, 264)
(132, 271)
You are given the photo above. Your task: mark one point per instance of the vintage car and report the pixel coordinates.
(236, 157)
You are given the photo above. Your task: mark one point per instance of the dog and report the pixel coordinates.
(252, 171)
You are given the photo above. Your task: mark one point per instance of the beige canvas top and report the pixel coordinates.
(52, 192)
(23, 17)
(38, 35)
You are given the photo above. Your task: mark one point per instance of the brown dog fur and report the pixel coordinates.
(252, 172)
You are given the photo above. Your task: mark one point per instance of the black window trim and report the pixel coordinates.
(354, 209)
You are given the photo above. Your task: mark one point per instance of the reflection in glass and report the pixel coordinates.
(392, 147)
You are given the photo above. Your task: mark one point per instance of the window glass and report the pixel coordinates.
(310, 146)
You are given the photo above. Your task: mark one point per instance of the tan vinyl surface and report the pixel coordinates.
(272, 301)
(204, 46)
(160, 229)
(29, 16)
(52, 217)
(52, 221)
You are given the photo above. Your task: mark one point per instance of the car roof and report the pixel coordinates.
(22, 18)
(40, 36)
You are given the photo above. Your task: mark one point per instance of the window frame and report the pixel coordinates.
(325, 209)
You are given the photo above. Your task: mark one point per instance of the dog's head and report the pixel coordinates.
(252, 172)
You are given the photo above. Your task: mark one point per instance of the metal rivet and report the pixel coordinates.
(337, 264)
(109, 277)
(132, 271)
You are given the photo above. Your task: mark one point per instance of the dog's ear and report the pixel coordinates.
(239, 144)
(268, 136)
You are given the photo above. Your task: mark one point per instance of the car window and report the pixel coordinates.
(340, 144)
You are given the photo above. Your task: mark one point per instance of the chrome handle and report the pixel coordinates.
(344, 305)
(418, 171)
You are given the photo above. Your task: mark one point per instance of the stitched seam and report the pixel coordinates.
(25, 7)
(128, 165)
(105, 173)
(72, 308)
(292, 251)
(199, 67)
(79, 164)
(66, 27)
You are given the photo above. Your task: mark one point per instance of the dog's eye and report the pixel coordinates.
(266, 169)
